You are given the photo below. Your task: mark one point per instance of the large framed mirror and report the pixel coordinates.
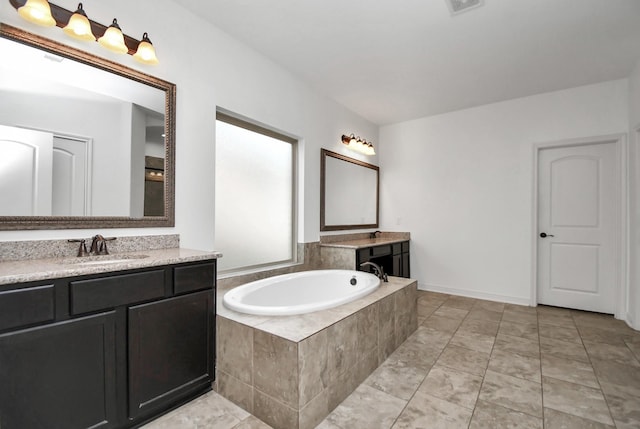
(349, 190)
(84, 142)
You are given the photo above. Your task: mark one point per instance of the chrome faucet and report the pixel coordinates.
(377, 270)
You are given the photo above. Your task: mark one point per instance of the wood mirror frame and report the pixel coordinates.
(325, 154)
(67, 222)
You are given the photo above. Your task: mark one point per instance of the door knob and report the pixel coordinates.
(544, 235)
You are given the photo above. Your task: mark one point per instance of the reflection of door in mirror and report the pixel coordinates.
(43, 173)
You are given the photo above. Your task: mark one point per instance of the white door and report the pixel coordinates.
(70, 177)
(25, 172)
(577, 233)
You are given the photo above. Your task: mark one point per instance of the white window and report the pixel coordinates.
(255, 195)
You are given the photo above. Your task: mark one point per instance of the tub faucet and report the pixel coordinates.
(377, 270)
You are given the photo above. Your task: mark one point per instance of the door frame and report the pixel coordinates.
(622, 227)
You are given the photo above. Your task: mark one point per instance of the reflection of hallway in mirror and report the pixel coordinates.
(154, 186)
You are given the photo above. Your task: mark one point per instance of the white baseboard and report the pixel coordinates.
(475, 294)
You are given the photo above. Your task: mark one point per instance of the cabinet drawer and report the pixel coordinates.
(20, 307)
(381, 250)
(109, 292)
(193, 277)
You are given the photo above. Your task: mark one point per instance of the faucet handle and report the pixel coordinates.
(82, 250)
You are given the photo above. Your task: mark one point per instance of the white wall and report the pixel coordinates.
(212, 69)
(634, 203)
(461, 183)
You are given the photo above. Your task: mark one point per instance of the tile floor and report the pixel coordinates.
(480, 364)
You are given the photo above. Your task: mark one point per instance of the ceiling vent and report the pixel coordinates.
(458, 6)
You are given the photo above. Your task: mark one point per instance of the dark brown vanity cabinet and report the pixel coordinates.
(106, 351)
(393, 257)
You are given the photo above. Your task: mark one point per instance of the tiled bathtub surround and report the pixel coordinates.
(42, 249)
(291, 371)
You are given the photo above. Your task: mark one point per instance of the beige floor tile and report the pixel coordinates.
(426, 411)
(415, 355)
(251, 422)
(453, 386)
(466, 360)
(444, 324)
(484, 314)
(367, 408)
(634, 346)
(556, 420)
(425, 309)
(519, 316)
(619, 354)
(563, 321)
(451, 312)
(560, 333)
(523, 330)
(480, 326)
(547, 309)
(615, 373)
(489, 305)
(431, 298)
(519, 345)
(575, 399)
(398, 380)
(513, 393)
(563, 349)
(569, 370)
(624, 404)
(491, 416)
(515, 365)
(605, 336)
(210, 410)
(461, 302)
(600, 321)
(473, 341)
(430, 337)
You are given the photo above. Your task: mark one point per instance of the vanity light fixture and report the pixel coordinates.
(37, 12)
(79, 26)
(113, 39)
(146, 54)
(359, 145)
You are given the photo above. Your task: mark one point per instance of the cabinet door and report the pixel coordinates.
(170, 351)
(406, 270)
(60, 375)
(397, 266)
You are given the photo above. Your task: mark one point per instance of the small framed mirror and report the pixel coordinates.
(349, 191)
(84, 142)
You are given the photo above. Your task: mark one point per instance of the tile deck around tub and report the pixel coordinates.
(297, 328)
(508, 392)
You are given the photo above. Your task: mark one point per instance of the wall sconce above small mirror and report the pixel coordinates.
(349, 190)
(84, 142)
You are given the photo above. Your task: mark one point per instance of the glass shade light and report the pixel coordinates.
(113, 39)
(146, 54)
(37, 12)
(79, 26)
(357, 144)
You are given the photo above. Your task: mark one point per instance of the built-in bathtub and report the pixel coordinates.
(292, 371)
(302, 292)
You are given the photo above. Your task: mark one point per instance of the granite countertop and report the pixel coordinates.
(365, 242)
(52, 268)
